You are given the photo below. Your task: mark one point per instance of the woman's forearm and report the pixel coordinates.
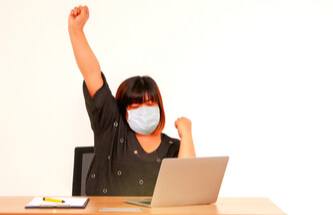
(186, 149)
(84, 56)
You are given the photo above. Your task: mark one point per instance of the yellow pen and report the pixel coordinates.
(53, 200)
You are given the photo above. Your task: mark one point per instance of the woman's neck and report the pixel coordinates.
(149, 142)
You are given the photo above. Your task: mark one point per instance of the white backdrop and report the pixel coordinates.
(255, 77)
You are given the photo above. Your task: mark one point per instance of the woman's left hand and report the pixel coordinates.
(184, 127)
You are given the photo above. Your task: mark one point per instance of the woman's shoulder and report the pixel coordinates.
(171, 145)
(170, 140)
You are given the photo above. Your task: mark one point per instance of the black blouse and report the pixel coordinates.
(120, 165)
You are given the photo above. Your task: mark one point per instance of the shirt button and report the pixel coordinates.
(136, 152)
(105, 190)
(115, 124)
(121, 140)
(109, 157)
(158, 160)
(170, 141)
(119, 172)
(92, 175)
(141, 182)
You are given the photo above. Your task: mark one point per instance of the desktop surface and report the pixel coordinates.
(116, 205)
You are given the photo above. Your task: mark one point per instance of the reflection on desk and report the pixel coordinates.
(225, 206)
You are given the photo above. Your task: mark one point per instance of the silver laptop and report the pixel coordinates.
(186, 181)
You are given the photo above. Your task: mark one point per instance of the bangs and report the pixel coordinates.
(142, 90)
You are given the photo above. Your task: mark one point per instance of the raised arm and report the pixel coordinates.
(184, 127)
(84, 56)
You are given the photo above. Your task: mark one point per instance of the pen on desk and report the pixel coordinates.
(53, 200)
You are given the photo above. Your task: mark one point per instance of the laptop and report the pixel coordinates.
(186, 181)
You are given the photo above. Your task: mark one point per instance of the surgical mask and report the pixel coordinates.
(144, 119)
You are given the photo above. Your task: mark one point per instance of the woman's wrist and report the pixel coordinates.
(186, 136)
(186, 149)
(75, 31)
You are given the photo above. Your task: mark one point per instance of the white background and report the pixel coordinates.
(255, 78)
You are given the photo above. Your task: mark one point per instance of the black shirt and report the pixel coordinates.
(120, 165)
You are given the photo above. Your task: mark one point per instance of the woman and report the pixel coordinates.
(128, 140)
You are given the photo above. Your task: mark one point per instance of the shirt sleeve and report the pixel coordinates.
(102, 108)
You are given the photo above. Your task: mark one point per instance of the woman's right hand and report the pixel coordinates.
(78, 18)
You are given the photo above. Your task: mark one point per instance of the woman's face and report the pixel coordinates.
(143, 118)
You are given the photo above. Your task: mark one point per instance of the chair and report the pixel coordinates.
(83, 157)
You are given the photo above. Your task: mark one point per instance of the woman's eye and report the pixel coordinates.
(133, 106)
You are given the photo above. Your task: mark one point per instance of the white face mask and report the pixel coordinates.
(144, 119)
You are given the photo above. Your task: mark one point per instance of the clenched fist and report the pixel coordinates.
(78, 18)
(184, 127)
